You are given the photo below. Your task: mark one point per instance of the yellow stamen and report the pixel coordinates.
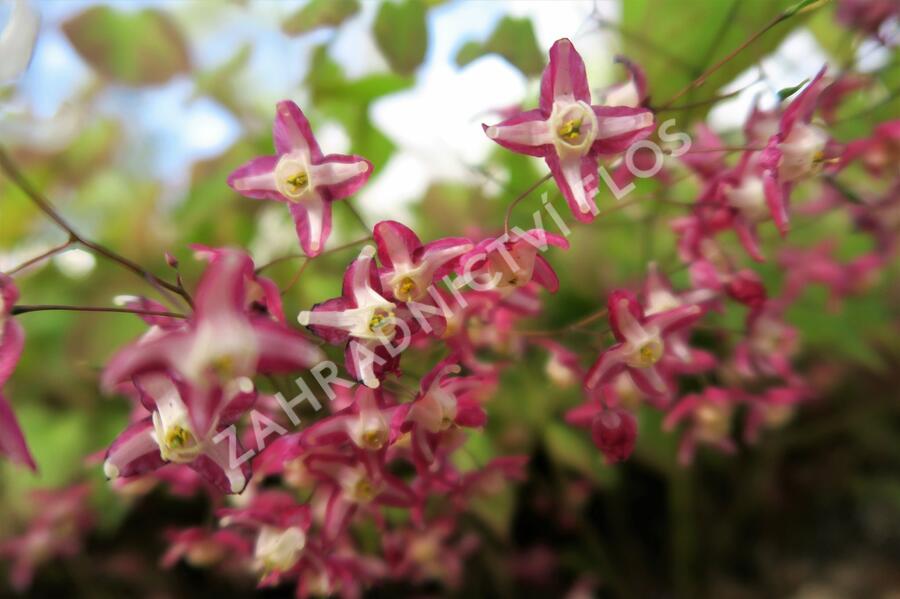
(178, 437)
(570, 130)
(406, 289)
(374, 439)
(298, 181)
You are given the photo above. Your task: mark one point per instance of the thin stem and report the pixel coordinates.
(19, 179)
(521, 197)
(287, 257)
(783, 16)
(27, 309)
(48, 254)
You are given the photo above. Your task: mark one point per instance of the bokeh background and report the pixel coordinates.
(132, 114)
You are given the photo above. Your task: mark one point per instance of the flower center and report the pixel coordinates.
(647, 354)
(292, 177)
(570, 131)
(406, 289)
(374, 438)
(382, 322)
(364, 491)
(178, 437)
(714, 422)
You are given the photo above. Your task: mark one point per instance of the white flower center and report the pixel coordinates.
(574, 127)
(802, 152)
(749, 198)
(292, 177)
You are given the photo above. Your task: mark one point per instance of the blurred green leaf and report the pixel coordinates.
(514, 40)
(401, 34)
(319, 13)
(675, 42)
(134, 48)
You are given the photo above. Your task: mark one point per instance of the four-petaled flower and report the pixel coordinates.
(570, 133)
(643, 341)
(301, 176)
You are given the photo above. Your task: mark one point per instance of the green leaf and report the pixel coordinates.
(134, 48)
(675, 42)
(401, 34)
(787, 92)
(320, 13)
(514, 40)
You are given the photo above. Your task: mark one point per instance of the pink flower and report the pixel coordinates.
(512, 261)
(709, 417)
(219, 347)
(370, 423)
(12, 340)
(281, 526)
(364, 319)
(170, 435)
(202, 548)
(631, 93)
(880, 152)
(570, 133)
(614, 432)
(643, 341)
(445, 402)
(301, 176)
(61, 519)
(867, 15)
(409, 267)
(771, 409)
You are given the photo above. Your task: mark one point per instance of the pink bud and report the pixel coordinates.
(614, 432)
(171, 260)
(747, 288)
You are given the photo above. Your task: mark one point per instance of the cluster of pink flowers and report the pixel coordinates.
(385, 454)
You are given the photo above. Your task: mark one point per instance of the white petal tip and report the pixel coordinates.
(303, 318)
(492, 132)
(367, 252)
(237, 482)
(245, 385)
(110, 470)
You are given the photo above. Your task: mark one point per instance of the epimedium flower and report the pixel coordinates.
(709, 416)
(301, 176)
(202, 548)
(364, 319)
(370, 423)
(445, 401)
(408, 266)
(570, 133)
(643, 341)
(613, 427)
(169, 435)
(281, 526)
(220, 345)
(512, 261)
(12, 340)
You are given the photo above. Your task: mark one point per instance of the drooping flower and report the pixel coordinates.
(221, 345)
(512, 261)
(614, 432)
(631, 93)
(709, 417)
(409, 267)
(643, 341)
(570, 133)
(12, 340)
(170, 435)
(281, 526)
(880, 152)
(771, 409)
(301, 176)
(202, 548)
(445, 401)
(370, 423)
(371, 325)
